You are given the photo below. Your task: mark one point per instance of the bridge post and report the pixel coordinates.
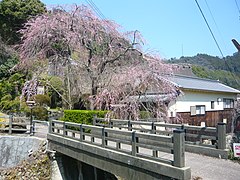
(104, 134)
(155, 153)
(134, 150)
(94, 119)
(129, 125)
(153, 128)
(110, 125)
(33, 127)
(221, 135)
(179, 148)
(81, 133)
(10, 124)
(50, 126)
(64, 129)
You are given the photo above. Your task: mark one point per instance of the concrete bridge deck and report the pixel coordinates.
(207, 168)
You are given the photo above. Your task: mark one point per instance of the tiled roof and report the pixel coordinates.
(194, 83)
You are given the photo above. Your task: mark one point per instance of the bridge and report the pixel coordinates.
(201, 166)
(129, 153)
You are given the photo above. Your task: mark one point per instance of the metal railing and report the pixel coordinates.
(166, 149)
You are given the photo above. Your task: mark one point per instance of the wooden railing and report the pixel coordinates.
(196, 135)
(12, 123)
(167, 149)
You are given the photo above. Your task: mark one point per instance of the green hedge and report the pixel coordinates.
(82, 116)
(145, 115)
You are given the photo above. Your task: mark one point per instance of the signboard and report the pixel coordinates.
(236, 149)
(40, 90)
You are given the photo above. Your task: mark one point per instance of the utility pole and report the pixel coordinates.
(236, 44)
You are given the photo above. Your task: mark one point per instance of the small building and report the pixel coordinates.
(202, 101)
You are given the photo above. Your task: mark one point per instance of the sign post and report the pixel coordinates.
(30, 105)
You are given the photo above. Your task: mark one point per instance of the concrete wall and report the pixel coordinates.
(15, 149)
(73, 169)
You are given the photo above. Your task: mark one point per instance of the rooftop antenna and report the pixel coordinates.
(182, 50)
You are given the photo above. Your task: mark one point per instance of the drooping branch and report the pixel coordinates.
(105, 63)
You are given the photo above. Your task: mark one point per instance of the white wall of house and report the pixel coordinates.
(195, 98)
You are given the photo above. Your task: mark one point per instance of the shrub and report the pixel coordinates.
(3, 118)
(40, 113)
(231, 156)
(42, 100)
(82, 116)
(7, 104)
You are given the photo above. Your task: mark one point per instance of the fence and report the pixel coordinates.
(204, 140)
(13, 124)
(149, 146)
(22, 125)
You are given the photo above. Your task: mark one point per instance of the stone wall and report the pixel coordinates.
(37, 166)
(15, 149)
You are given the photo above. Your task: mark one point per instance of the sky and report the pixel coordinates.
(175, 28)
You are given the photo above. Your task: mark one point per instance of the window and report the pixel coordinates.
(200, 109)
(171, 114)
(228, 103)
(212, 104)
(197, 110)
(193, 110)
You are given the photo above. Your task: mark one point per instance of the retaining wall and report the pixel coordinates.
(15, 149)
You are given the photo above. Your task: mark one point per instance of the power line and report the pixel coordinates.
(215, 24)
(95, 9)
(94, 5)
(228, 66)
(209, 28)
(237, 6)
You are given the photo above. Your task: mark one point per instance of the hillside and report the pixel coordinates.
(226, 70)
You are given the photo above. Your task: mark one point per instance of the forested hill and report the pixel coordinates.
(226, 70)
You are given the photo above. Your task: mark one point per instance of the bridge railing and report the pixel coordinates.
(212, 137)
(162, 148)
(11, 123)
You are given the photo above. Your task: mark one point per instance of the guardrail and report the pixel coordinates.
(149, 146)
(11, 124)
(38, 129)
(195, 136)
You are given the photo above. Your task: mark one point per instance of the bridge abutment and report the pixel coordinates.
(71, 168)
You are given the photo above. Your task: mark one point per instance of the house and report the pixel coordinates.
(202, 101)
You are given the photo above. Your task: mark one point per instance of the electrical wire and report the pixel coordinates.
(215, 24)
(237, 6)
(95, 9)
(209, 28)
(95, 6)
(228, 66)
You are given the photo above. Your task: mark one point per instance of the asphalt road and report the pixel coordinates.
(209, 168)
(41, 130)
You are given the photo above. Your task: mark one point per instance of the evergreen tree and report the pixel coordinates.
(13, 15)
